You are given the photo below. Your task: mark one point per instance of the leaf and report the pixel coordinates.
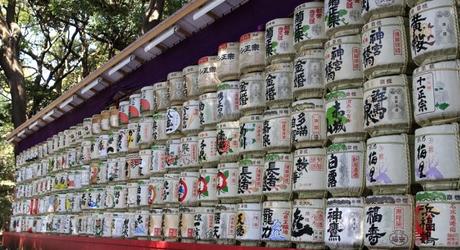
(226, 173)
(208, 178)
(274, 45)
(342, 12)
(225, 189)
(336, 147)
(305, 28)
(206, 193)
(442, 106)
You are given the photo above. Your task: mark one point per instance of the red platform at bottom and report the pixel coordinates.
(48, 242)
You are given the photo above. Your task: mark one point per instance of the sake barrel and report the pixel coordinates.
(436, 220)
(252, 98)
(374, 9)
(154, 192)
(133, 137)
(387, 106)
(434, 31)
(342, 60)
(227, 67)
(177, 91)
(161, 91)
(191, 117)
(123, 112)
(159, 128)
(207, 74)
(308, 123)
(140, 225)
(276, 130)
(228, 140)
(208, 110)
(388, 222)
(248, 223)
(342, 17)
(171, 224)
(155, 224)
(309, 172)
(250, 179)
(117, 196)
(121, 225)
(187, 226)
(208, 154)
(145, 132)
(204, 224)
(345, 168)
(189, 152)
(388, 164)
(207, 186)
(191, 81)
(228, 101)
(112, 143)
(434, 90)
(309, 30)
(279, 40)
(276, 223)
(169, 192)
(308, 74)
(173, 121)
(159, 155)
(134, 106)
(344, 223)
(114, 120)
(277, 182)
(133, 163)
(252, 52)
(278, 86)
(95, 130)
(122, 146)
(436, 157)
(344, 115)
(225, 223)
(227, 182)
(148, 105)
(172, 155)
(107, 226)
(251, 138)
(308, 223)
(188, 188)
(385, 47)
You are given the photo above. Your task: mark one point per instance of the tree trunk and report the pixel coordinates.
(153, 15)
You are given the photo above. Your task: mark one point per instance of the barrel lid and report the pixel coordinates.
(228, 45)
(313, 203)
(384, 81)
(212, 95)
(345, 147)
(311, 53)
(176, 74)
(344, 94)
(248, 36)
(147, 88)
(277, 204)
(190, 69)
(444, 65)
(356, 39)
(437, 196)
(308, 104)
(207, 59)
(227, 165)
(278, 67)
(189, 174)
(309, 5)
(207, 133)
(223, 125)
(253, 76)
(383, 22)
(438, 129)
(278, 21)
(251, 118)
(346, 202)
(124, 103)
(389, 199)
(278, 157)
(250, 206)
(160, 85)
(189, 138)
(251, 161)
(208, 171)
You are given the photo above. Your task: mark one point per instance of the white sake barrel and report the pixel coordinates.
(154, 189)
(161, 91)
(434, 31)
(228, 140)
(342, 17)
(189, 152)
(191, 117)
(208, 154)
(344, 115)
(123, 112)
(389, 222)
(384, 44)
(172, 155)
(228, 101)
(308, 123)
(388, 164)
(159, 128)
(251, 138)
(207, 186)
(387, 106)
(146, 163)
(177, 91)
(435, 88)
(133, 163)
(279, 40)
(174, 121)
(207, 74)
(134, 106)
(148, 105)
(252, 98)
(344, 219)
(342, 60)
(188, 188)
(122, 146)
(308, 74)
(228, 55)
(208, 110)
(134, 196)
(309, 172)
(277, 181)
(140, 224)
(171, 224)
(252, 52)
(120, 193)
(436, 220)
(133, 137)
(107, 227)
(345, 165)
(250, 179)
(276, 131)
(249, 223)
(204, 224)
(187, 226)
(227, 182)
(112, 143)
(114, 121)
(308, 223)
(278, 85)
(436, 157)
(121, 225)
(191, 81)
(374, 9)
(170, 190)
(145, 132)
(309, 30)
(158, 160)
(225, 223)
(156, 224)
(276, 223)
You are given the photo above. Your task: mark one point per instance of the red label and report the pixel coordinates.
(245, 37)
(356, 55)
(397, 42)
(355, 167)
(203, 60)
(223, 46)
(399, 218)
